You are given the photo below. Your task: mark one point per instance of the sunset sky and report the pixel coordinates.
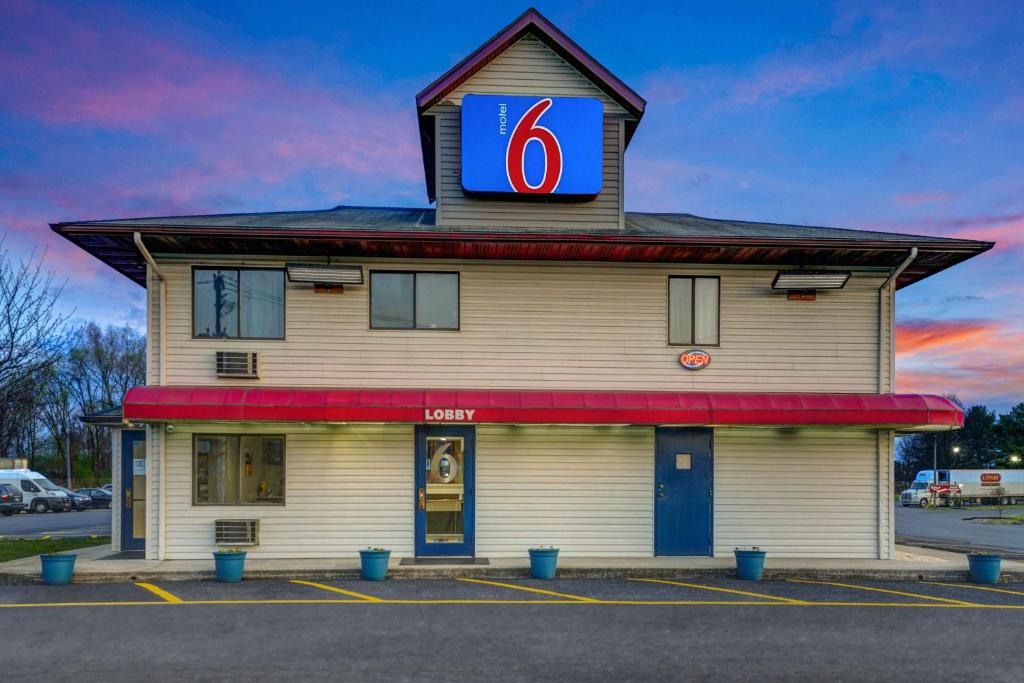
(905, 117)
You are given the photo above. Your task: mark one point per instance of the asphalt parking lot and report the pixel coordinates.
(514, 629)
(56, 524)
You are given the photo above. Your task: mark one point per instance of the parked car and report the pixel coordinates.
(100, 498)
(109, 488)
(38, 493)
(79, 501)
(10, 500)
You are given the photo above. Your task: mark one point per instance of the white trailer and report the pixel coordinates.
(972, 486)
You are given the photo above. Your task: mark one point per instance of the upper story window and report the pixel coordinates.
(414, 301)
(693, 307)
(238, 303)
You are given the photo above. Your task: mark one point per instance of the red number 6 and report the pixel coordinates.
(515, 156)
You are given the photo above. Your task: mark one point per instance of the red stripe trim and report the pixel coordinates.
(903, 411)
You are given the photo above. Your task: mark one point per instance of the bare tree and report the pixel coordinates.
(33, 334)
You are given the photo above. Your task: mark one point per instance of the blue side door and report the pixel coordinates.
(682, 491)
(133, 489)
(445, 482)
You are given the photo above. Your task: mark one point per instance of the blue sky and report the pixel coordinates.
(904, 116)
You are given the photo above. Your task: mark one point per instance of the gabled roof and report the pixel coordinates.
(533, 23)
(355, 231)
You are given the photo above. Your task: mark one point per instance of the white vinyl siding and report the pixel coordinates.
(115, 490)
(154, 457)
(586, 490)
(528, 67)
(533, 325)
(348, 487)
(797, 492)
(153, 326)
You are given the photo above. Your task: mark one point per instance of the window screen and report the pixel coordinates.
(693, 310)
(238, 303)
(424, 301)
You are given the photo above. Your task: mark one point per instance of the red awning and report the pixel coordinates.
(280, 404)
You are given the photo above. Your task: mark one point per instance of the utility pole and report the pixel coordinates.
(67, 448)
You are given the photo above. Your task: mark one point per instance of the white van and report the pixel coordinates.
(39, 493)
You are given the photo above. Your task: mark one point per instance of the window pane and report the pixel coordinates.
(391, 297)
(215, 293)
(262, 303)
(437, 300)
(216, 469)
(680, 316)
(262, 469)
(705, 297)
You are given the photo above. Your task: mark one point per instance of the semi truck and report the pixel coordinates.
(970, 486)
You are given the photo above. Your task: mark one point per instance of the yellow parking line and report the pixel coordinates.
(160, 592)
(572, 601)
(334, 589)
(722, 590)
(886, 590)
(980, 588)
(529, 589)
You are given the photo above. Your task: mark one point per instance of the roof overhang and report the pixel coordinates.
(530, 22)
(904, 412)
(111, 417)
(114, 245)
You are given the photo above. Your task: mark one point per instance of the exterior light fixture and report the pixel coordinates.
(809, 280)
(1015, 459)
(322, 274)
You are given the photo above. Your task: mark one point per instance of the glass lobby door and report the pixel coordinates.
(133, 490)
(444, 504)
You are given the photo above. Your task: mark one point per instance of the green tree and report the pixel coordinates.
(1010, 432)
(977, 440)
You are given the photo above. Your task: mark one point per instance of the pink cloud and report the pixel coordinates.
(976, 359)
(107, 69)
(919, 336)
(1006, 231)
(212, 126)
(917, 198)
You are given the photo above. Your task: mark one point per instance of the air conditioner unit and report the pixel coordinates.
(237, 364)
(236, 532)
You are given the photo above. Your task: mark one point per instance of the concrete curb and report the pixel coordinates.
(484, 572)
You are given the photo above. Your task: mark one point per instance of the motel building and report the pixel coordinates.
(525, 363)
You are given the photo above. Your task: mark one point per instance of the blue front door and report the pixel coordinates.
(133, 489)
(445, 481)
(682, 491)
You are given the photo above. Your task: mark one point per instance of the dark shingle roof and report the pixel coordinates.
(397, 219)
(380, 232)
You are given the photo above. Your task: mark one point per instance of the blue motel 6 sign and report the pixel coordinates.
(532, 146)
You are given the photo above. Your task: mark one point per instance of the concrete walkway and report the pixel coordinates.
(94, 565)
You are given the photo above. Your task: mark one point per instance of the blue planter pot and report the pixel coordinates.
(985, 568)
(749, 564)
(543, 562)
(229, 566)
(374, 564)
(57, 569)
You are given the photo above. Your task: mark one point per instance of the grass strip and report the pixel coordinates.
(17, 548)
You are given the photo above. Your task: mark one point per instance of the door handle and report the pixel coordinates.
(423, 498)
(128, 499)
